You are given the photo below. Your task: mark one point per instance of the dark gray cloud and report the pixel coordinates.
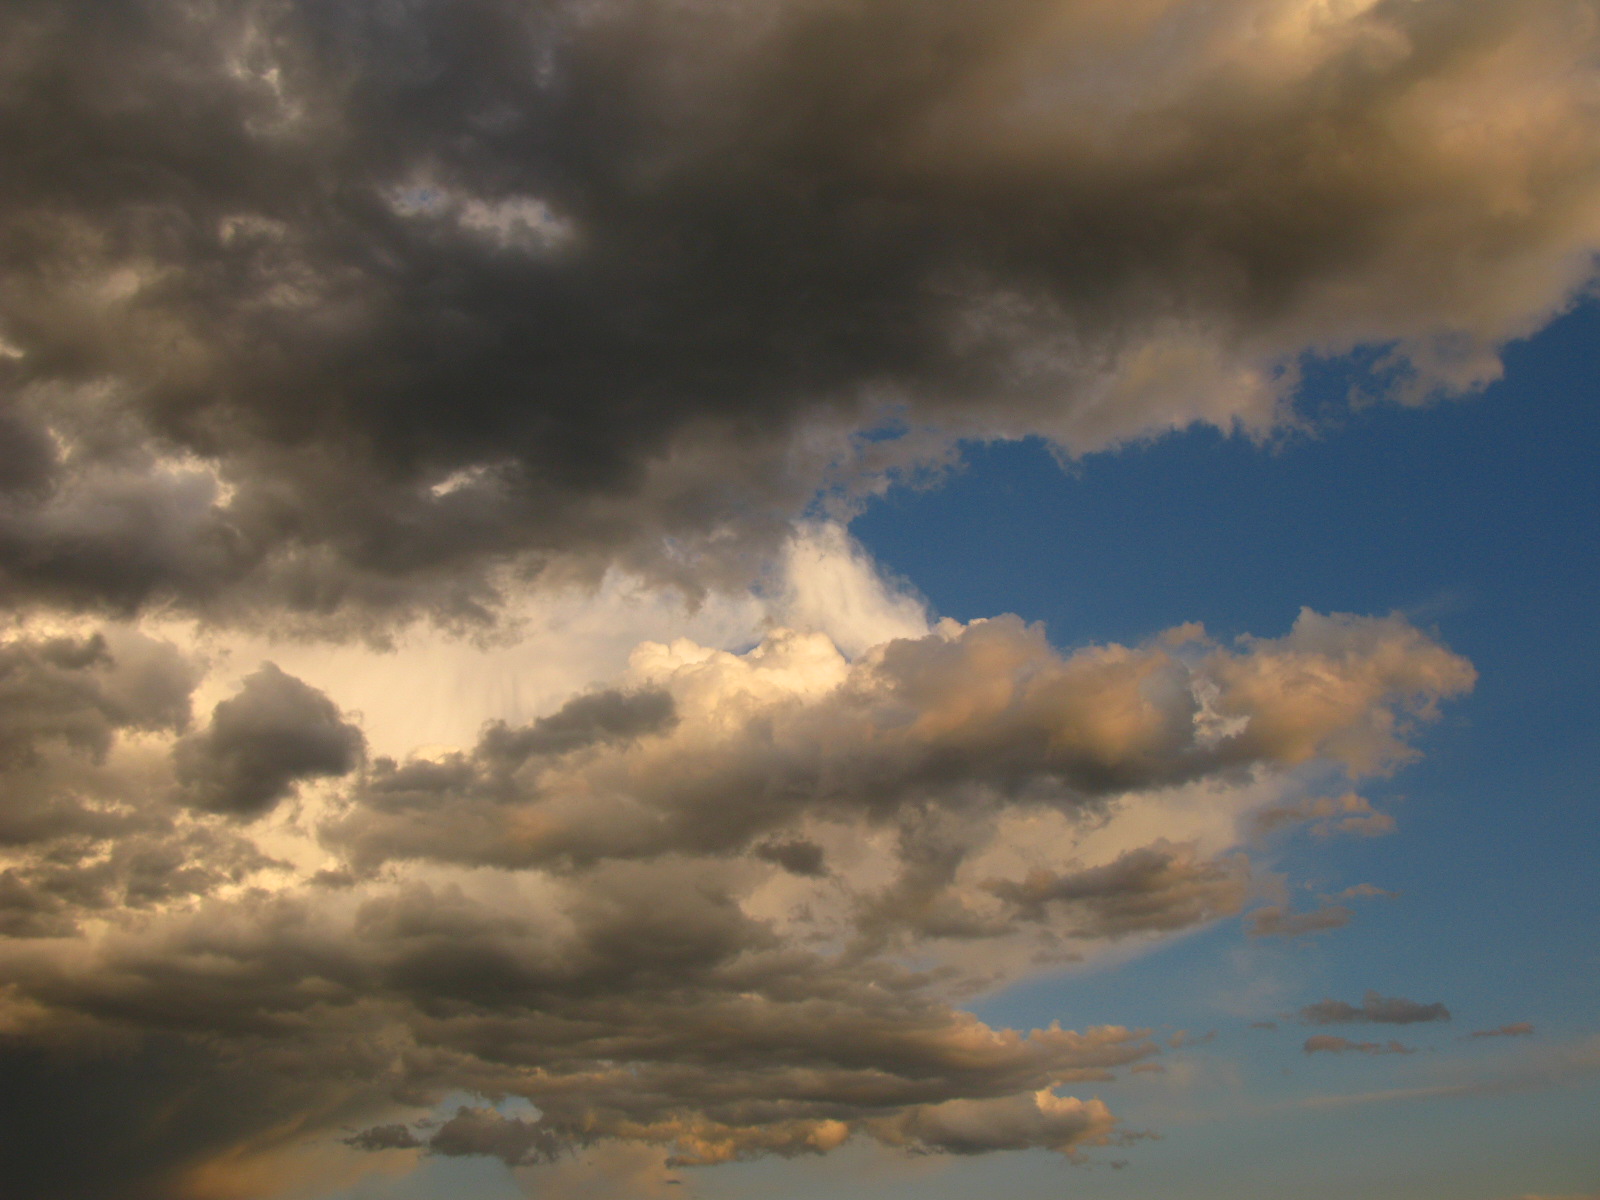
(276, 732)
(1375, 1009)
(512, 1140)
(640, 1003)
(795, 854)
(366, 302)
(603, 716)
(64, 702)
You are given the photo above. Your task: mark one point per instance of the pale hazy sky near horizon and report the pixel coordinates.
(794, 598)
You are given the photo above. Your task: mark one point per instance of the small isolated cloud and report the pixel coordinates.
(1323, 1043)
(1268, 1025)
(1363, 891)
(1517, 1029)
(1374, 1009)
(1276, 921)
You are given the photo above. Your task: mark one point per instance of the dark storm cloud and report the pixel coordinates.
(86, 817)
(1374, 1008)
(63, 703)
(639, 1003)
(333, 309)
(276, 732)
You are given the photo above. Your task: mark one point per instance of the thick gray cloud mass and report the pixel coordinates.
(276, 732)
(331, 309)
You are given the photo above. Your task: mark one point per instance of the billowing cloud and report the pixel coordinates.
(276, 732)
(724, 905)
(1374, 1009)
(368, 306)
(965, 719)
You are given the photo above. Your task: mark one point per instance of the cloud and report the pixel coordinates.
(965, 719)
(1328, 815)
(1323, 1043)
(1042, 1120)
(319, 319)
(274, 733)
(488, 289)
(723, 905)
(512, 1140)
(1275, 921)
(1374, 1008)
(1148, 889)
(1518, 1029)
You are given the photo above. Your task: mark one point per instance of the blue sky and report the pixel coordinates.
(1476, 517)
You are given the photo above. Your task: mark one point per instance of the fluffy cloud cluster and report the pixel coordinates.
(725, 906)
(355, 309)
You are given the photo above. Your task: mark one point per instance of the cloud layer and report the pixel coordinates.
(370, 309)
(725, 905)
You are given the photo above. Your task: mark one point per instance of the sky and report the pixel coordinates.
(692, 598)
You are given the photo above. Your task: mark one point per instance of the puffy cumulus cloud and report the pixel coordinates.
(1323, 1043)
(369, 308)
(720, 906)
(1374, 1008)
(260, 743)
